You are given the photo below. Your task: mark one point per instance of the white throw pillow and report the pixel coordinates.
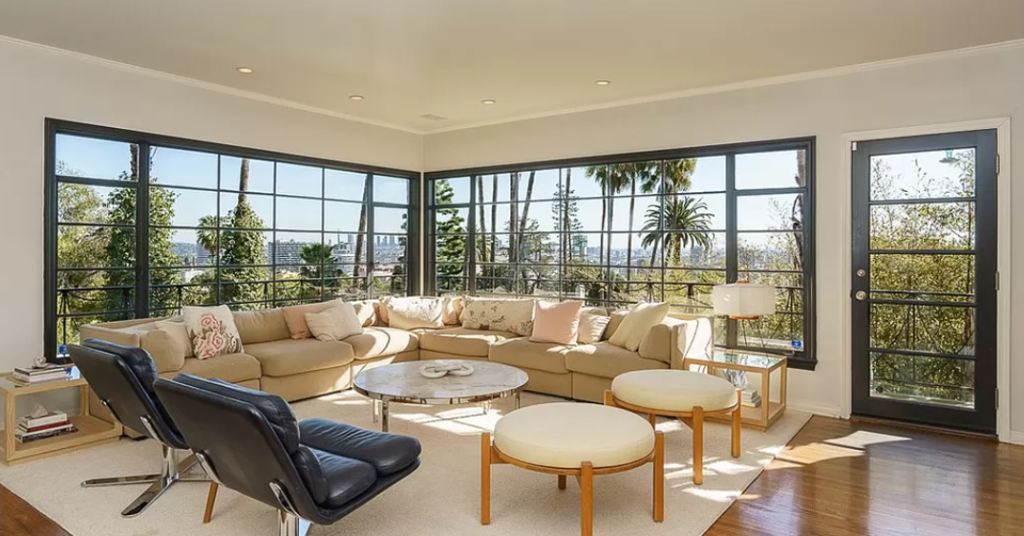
(178, 335)
(212, 331)
(491, 314)
(638, 321)
(592, 328)
(335, 324)
(413, 313)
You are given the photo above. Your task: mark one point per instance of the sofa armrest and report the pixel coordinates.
(692, 338)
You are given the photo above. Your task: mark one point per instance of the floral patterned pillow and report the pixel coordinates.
(212, 331)
(492, 314)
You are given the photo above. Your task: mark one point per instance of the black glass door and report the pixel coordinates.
(924, 280)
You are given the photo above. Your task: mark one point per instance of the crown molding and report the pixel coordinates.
(209, 86)
(750, 84)
(706, 90)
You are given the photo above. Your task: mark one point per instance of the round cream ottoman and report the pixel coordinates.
(582, 440)
(688, 396)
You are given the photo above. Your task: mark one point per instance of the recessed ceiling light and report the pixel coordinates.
(603, 82)
(488, 101)
(245, 70)
(356, 97)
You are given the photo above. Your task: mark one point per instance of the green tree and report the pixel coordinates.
(451, 240)
(681, 223)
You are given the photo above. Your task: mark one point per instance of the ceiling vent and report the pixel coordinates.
(433, 117)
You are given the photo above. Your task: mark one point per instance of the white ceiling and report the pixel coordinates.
(442, 57)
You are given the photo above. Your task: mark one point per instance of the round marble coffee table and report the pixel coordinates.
(403, 383)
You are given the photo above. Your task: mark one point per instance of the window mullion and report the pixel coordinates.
(731, 240)
(142, 233)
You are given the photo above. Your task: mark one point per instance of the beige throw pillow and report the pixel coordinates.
(556, 323)
(592, 328)
(636, 323)
(413, 313)
(452, 310)
(295, 317)
(178, 335)
(335, 324)
(491, 314)
(212, 331)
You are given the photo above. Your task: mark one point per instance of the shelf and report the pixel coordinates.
(91, 430)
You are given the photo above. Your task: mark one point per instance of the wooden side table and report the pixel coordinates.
(91, 430)
(770, 410)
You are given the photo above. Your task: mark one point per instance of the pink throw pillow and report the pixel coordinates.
(556, 322)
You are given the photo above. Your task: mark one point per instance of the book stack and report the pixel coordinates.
(50, 425)
(33, 375)
(751, 398)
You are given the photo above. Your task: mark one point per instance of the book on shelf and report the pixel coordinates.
(751, 398)
(44, 434)
(53, 417)
(40, 378)
(46, 369)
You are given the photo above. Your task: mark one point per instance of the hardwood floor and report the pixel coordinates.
(837, 478)
(18, 518)
(840, 478)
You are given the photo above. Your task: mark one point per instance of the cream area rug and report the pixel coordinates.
(441, 498)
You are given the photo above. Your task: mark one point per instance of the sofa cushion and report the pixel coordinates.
(387, 453)
(376, 342)
(335, 323)
(556, 323)
(234, 368)
(462, 341)
(606, 360)
(295, 317)
(168, 352)
(415, 312)
(292, 356)
(524, 353)
(261, 326)
(333, 480)
(657, 342)
(366, 310)
(592, 328)
(498, 314)
(615, 320)
(637, 323)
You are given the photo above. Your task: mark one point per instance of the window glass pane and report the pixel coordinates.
(545, 184)
(299, 214)
(643, 210)
(260, 174)
(257, 211)
(93, 158)
(449, 191)
(182, 208)
(770, 251)
(390, 220)
(689, 213)
(391, 190)
(178, 167)
(926, 175)
(343, 217)
(81, 246)
(762, 212)
(293, 179)
(245, 247)
(77, 203)
(775, 169)
(496, 187)
(583, 181)
(348, 185)
(942, 226)
(708, 174)
(298, 248)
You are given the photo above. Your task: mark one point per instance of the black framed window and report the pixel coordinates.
(139, 225)
(658, 226)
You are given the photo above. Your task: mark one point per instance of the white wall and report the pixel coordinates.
(37, 83)
(958, 88)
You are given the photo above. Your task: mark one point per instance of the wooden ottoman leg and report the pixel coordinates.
(659, 476)
(737, 421)
(698, 445)
(561, 481)
(485, 478)
(609, 397)
(587, 499)
(652, 418)
(211, 498)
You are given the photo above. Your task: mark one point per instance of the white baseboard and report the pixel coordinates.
(1016, 438)
(816, 409)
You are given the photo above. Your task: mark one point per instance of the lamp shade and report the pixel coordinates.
(743, 300)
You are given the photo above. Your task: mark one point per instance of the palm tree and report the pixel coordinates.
(681, 223)
(206, 236)
(612, 180)
(357, 271)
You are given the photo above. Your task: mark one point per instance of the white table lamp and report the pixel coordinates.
(743, 301)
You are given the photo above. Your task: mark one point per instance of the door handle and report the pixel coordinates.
(861, 295)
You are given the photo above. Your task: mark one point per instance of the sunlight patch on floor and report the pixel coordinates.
(861, 440)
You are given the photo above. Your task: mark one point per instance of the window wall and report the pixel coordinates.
(663, 226)
(219, 225)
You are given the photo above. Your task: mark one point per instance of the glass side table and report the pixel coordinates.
(91, 430)
(735, 367)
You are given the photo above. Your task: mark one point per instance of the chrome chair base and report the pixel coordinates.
(293, 525)
(171, 471)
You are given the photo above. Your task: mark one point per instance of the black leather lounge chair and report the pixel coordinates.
(315, 471)
(122, 377)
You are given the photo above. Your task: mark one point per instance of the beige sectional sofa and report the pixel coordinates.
(302, 368)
